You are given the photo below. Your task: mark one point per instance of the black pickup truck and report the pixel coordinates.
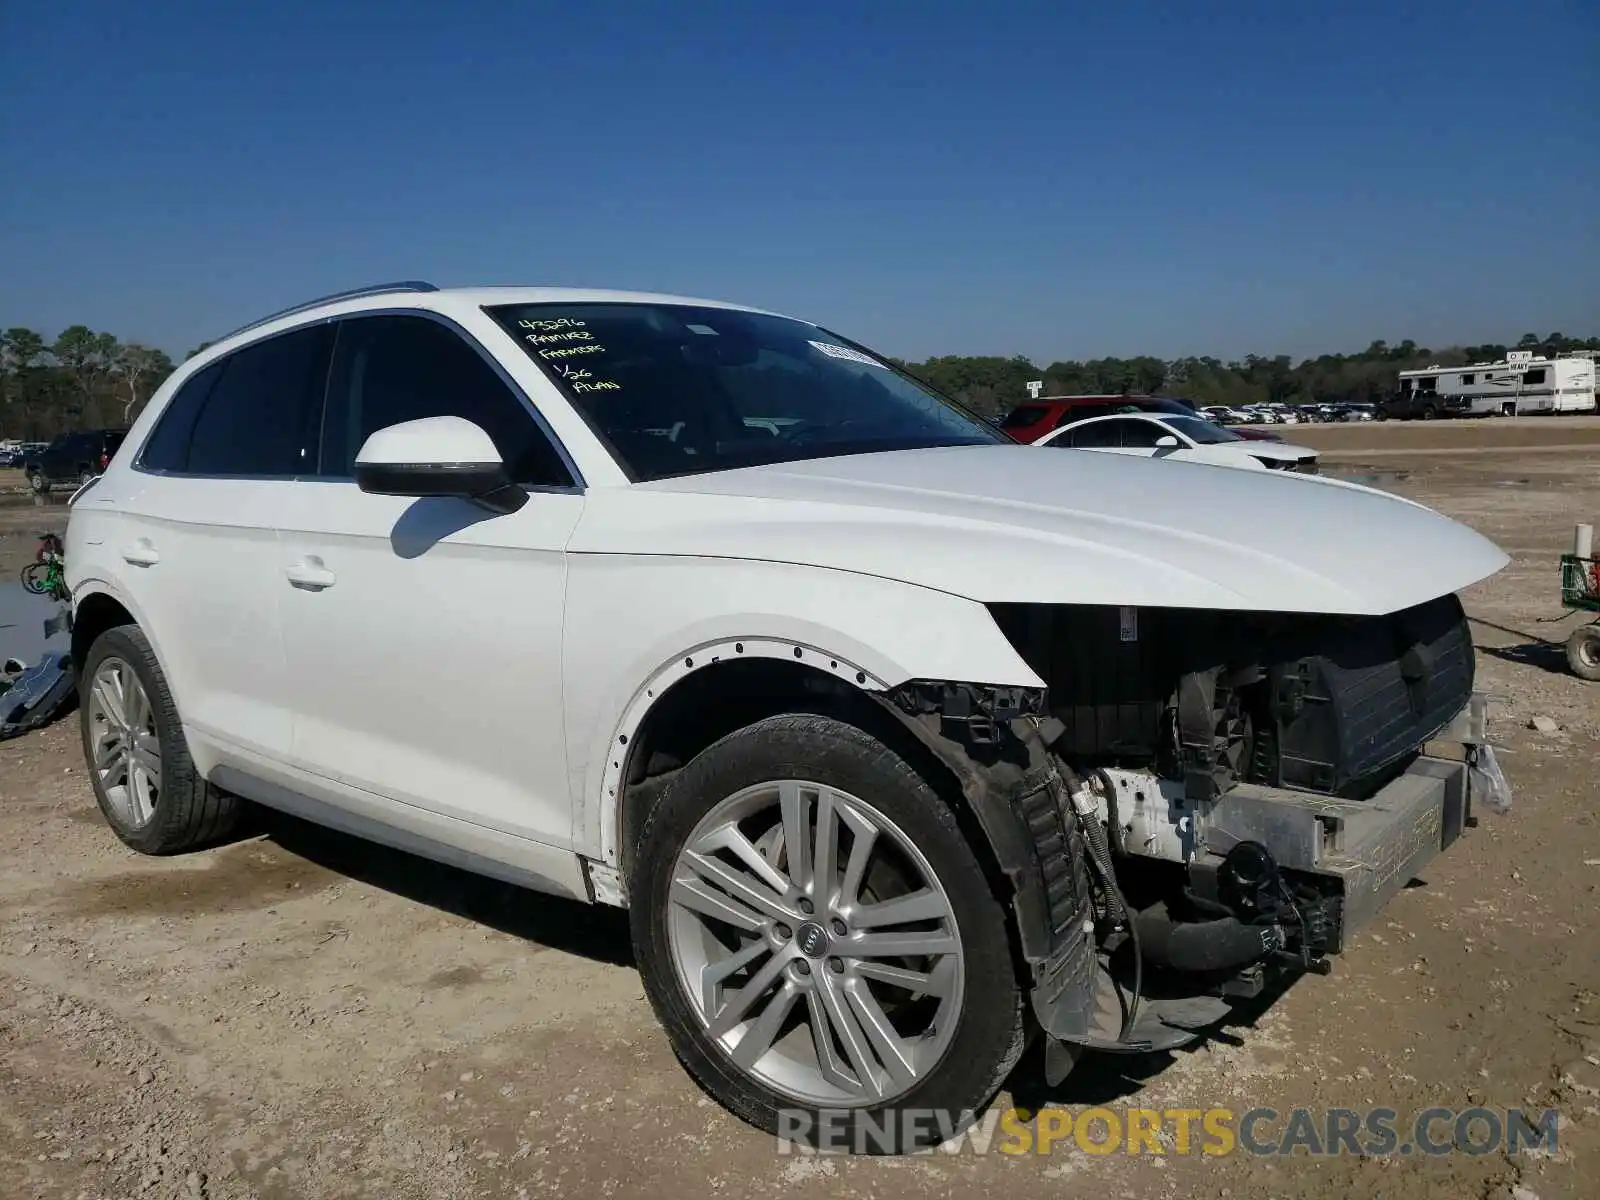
(73, 458)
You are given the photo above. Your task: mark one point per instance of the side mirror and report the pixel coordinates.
(438, 456)
(1166, 442)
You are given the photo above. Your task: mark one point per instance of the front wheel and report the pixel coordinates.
(1583, 652)
(38, 483)
(821, 942)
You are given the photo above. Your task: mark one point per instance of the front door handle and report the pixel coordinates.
(141, 553)
(309, 573)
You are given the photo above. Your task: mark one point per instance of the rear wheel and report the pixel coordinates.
(1583, 652)
(820, 941)
(1429, 413)
(143, 778)
(85, 476)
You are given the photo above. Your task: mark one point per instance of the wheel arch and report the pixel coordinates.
(685, 708)
(98, 605)
(703, 694)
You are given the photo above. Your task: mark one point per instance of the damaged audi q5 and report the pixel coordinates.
(904, 745)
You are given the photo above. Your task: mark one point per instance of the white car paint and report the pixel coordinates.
(1236, 452)
(462, 682)
(1006, 523)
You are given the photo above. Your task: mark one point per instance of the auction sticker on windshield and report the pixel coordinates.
(847, 354)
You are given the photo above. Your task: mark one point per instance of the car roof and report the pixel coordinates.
(1061, 431)
(1066, 401)
(1125, 416)
(426, 297)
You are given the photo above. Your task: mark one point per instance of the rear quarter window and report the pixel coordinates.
(167, 449)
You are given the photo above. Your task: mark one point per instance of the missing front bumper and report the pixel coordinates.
(1365, 851)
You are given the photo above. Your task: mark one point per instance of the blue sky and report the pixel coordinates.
(1058, 180)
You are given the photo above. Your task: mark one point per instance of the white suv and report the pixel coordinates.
(900, 742)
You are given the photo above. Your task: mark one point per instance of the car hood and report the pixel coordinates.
(1277, 451)
(1017, 523)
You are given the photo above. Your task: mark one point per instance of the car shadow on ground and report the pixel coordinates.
(601, 933)
(1532, 651)
(593, 931)
(1545, 656)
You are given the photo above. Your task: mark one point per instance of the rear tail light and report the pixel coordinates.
(105, 461)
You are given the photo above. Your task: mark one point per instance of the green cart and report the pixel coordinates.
(1580, 592)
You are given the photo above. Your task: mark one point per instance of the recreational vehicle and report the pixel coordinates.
(1522, 383)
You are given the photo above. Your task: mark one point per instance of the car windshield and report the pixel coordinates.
(683, 389)
(1203, 433)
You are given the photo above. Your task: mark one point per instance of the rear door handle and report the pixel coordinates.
(309, 573)
(141, 553)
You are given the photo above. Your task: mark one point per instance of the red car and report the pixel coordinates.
(1031, 420)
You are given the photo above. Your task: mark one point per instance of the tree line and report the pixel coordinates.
(81, 380)
(89, 380)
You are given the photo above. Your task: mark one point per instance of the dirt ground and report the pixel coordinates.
(301, 1014)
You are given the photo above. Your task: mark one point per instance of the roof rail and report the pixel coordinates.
(376, 289)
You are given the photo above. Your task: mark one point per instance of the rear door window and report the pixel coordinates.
(1139, 435)
(1097, 435)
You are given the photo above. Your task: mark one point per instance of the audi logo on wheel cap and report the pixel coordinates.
(812, 940)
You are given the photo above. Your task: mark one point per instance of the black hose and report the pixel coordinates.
(1201, 947)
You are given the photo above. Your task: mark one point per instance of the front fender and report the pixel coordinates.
(636, 623)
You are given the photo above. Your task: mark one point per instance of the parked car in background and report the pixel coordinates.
(1242, 424)
(1030, 421)
(1359, 412)
(884, 730)
(1181, 439)
(1255, 433)
(1420, 406)
(73, 458)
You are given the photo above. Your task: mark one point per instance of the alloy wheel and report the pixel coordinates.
(125, 745)
(815, 944)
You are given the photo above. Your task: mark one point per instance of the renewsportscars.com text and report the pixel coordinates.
(1317, 1132)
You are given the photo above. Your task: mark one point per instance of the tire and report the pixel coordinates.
(182, 811)
(1429, 413)
(85, 476)
(38, 482)
(976, 1031)
(1583, 653)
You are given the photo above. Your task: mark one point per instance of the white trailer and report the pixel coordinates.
(1523, 383)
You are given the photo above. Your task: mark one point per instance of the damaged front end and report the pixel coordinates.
(1199, 801)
